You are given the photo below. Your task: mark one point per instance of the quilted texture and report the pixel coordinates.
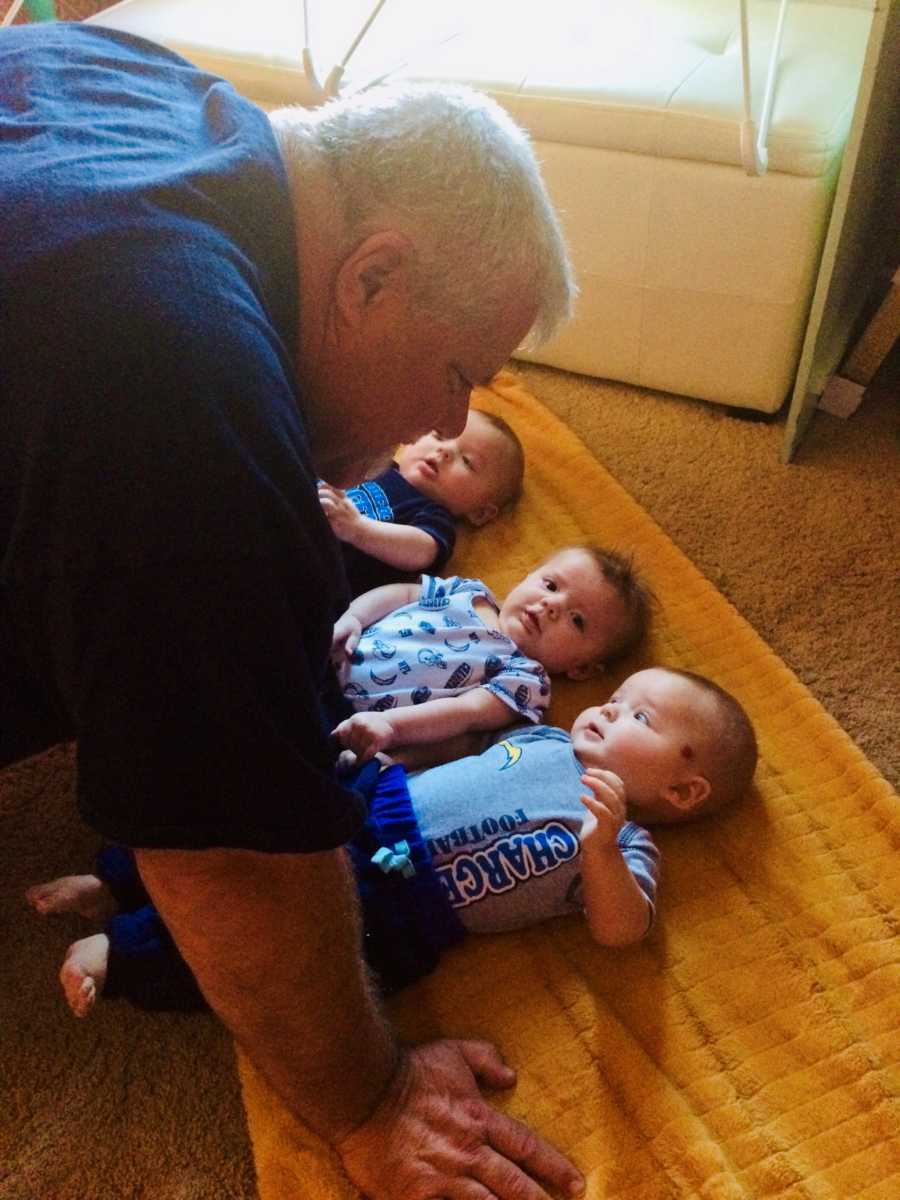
(749, 1048)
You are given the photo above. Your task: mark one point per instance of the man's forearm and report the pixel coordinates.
(274, 941)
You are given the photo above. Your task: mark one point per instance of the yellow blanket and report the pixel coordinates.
(749, 1048)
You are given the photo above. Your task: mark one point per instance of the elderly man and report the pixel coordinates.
(204, 309)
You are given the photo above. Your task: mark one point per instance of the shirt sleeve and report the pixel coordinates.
(436, 590)
(436, 521)
(524, 685)
(641, 856)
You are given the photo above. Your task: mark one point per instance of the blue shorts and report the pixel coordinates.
(407, 919)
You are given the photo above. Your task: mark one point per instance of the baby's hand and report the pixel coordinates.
(345, 637)
(366, 734)
(605, 804)
(348, 762)
(342, 514)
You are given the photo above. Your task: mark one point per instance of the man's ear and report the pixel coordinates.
(587, 670)
(375, 269)
(482, 515)
(688, 794)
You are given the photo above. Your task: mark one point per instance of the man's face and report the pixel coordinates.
(565, 614)
(392, 375)
(651, 733)
(471, 475)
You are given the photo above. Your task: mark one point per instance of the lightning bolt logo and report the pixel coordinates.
(513, 754)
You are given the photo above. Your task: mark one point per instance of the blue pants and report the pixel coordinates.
(407, 920)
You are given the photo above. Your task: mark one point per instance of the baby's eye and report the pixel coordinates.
(641, 716)
(467, 461)
(550, 585)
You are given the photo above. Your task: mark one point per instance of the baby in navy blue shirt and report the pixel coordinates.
(403, 521)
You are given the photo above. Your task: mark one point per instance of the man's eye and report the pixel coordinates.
(578, 622)
(642, 717)
(467, 461)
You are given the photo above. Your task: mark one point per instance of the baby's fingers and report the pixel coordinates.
(608, 779)
(604, 795)
(351, 642)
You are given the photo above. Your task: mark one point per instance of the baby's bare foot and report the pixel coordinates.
(83, 972)
(82, 894)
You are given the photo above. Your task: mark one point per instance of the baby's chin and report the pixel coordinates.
(589, 752)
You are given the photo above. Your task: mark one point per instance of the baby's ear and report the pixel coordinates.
(587, 670)
(687, 795)
(482, 515)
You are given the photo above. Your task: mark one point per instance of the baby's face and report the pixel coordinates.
(651, 734)
(565, 614)
(470, 474)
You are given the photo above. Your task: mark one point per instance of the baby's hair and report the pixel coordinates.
(619, 571)
(513, 491)
(732, 749)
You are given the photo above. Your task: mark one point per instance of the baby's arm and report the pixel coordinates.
(366, 733)
(618, 912)
(435, 754)
(405, 547)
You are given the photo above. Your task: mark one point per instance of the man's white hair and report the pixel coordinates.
(448, 166)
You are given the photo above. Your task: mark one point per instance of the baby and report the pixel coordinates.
(403, 522)
(541, 824)
(426, 662)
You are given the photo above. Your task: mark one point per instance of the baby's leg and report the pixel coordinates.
(83, 972)
(83, 894)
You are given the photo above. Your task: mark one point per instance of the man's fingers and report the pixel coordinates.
(464, 1188)
(486, 1064)
(442, 1141)
(522, 1160)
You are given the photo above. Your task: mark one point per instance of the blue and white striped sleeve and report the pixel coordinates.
(641, 856)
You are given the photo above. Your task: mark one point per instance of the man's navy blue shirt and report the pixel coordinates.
(168, 582)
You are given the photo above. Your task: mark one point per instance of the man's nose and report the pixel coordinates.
(455, 418)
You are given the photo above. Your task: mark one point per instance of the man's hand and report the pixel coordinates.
(605, 804)
(366, 733)
(342, 514)
(433, 1136)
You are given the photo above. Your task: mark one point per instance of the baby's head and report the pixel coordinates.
(682, 745)
(578, 611)
(475, 475)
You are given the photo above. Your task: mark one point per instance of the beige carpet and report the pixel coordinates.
(130, 1106)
